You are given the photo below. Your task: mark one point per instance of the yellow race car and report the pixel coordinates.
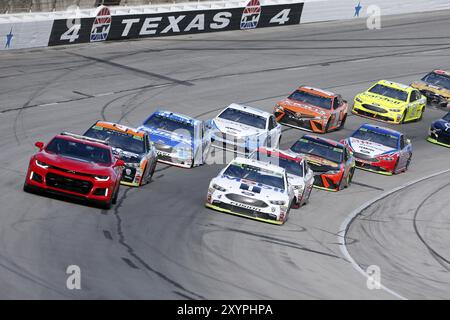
(436, 87)
(390, 102)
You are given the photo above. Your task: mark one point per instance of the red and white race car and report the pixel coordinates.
(380, 150)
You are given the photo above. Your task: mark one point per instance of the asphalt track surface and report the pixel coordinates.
(159, 241)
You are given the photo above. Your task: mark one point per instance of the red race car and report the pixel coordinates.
(76, 166)
(332, 162)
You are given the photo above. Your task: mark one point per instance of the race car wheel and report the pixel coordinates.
(403, 117)
(327, 127)
(421, 114)
(29, 189)
(116, 195)
(144, 180)
(295, 204)
(395, 167)
(408, 162)
(350, 177)
(343, 121)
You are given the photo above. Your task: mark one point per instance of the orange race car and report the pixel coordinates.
(312, 109)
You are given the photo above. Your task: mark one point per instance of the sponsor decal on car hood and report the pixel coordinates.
(126, 155)
(250, 188)
(382, 101)
(301, 107)
(430, 87)
(320, 161)
(167, 138)
(236, 129)
(369, 148)
(73, 164)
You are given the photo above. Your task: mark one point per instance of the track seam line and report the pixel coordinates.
(352, 216)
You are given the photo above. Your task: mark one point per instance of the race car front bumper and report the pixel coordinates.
(377, 113)
(327, 181)
(68, 184)
(175, 159)
(441, 138)
(218, 201)
(131, 176)
(288, 118)
(381, 167)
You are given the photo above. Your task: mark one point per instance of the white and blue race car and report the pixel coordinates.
(243, 129)
(252, 189)
(179, 140)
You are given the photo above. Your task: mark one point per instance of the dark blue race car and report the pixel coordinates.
(440, 131)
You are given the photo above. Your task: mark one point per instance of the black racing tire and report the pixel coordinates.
(421, 114)
(403, 120)
(295, 204)
(107, 205)
(27, 188)
(327, 127)
(350, 177)
(408, 163)
(116, 195)
(395, 167)
(144, 181)
(343, 122)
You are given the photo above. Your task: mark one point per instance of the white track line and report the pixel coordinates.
(346, 224)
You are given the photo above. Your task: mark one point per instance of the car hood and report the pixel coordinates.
(250, 188)
(295, 180)
(167, 138)
(430, 87)
(126, 156)
(442, 124)
(316, 162)
(236, 129)
(380, 100)
(72, 164)
(303, 108)
(369, 148)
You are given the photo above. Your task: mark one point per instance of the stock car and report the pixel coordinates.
(440, 131)
(436, 87)
(332, 162)
(380, 150)
(300, 176)
(313, 110)
(243, 129)
(390, 102)
(179, 140)
(252, 189)
(76, 166)
(130, 145)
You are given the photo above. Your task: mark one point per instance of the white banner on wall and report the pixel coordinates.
(329, 10)
(28, 34)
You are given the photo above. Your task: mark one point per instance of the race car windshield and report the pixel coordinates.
(377, 137)
(125, 141)
(389, 92)
(79, 151)
(436, 79)
(312, 99)
(258, 175)
(161, 122)
(319, 149)
(291, 166)
(249, 119)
